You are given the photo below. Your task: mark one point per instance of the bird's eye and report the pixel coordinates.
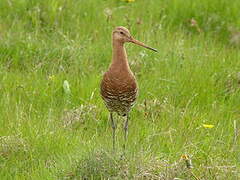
(121, 32)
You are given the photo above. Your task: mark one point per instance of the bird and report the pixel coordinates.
(119, 88)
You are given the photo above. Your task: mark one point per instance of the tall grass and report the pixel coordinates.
(193, 80)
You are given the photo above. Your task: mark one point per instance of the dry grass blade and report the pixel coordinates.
(12, 144)
(79, 115)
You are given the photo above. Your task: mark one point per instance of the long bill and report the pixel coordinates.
(142, 44)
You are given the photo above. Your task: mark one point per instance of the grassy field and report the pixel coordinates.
(193, 82)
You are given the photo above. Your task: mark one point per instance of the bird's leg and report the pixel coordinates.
(125, 131)
(113, 128)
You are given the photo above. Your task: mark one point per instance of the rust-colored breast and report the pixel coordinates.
(119, 91)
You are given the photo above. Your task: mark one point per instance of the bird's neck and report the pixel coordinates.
(119, 57)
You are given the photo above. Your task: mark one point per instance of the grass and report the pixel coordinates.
(46, 133)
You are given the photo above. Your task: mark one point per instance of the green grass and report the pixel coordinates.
(193, 80)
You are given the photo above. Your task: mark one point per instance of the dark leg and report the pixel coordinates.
(113, 128)
(125, 131)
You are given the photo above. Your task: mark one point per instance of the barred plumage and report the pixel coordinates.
(119, 96)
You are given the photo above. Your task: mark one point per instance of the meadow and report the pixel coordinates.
(188, 104)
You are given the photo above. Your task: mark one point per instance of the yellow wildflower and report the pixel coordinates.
(51, 77)
(185, 157)
(208, 126)
(130, 0)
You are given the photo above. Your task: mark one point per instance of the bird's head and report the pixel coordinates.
(122, 35)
